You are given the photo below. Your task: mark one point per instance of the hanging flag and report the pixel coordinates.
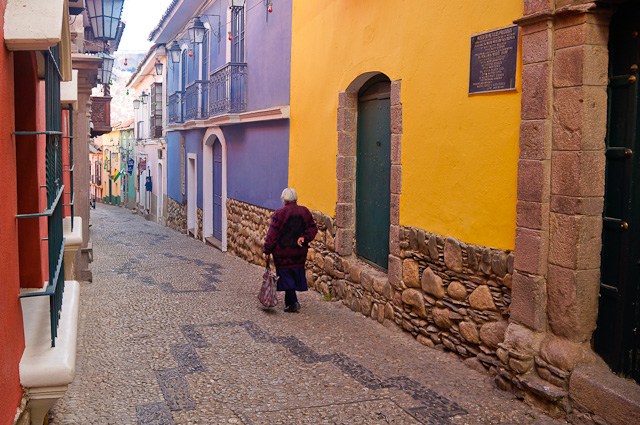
(116, 175)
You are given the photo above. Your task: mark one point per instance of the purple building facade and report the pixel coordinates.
(227, 117)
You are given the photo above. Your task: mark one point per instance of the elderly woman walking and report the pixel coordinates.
(292, 228)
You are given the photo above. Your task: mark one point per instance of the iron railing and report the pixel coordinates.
(196, 100)
(174, 107)
(55, 237)
(228, 89)
(224, 93)
(55, 191)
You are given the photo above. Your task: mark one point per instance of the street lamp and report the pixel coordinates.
(175, 52)
(158, 67)
(196, 31)
(104, 73)
(136, 104)
(143, 98)
(104, 16)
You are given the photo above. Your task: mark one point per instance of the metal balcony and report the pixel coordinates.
(228, 90)
(196, 96)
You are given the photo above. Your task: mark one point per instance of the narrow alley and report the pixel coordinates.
(171, 332)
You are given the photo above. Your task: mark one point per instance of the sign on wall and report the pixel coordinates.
(494, 57)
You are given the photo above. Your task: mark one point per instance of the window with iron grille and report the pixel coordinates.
(54, 190)
(237, 34)
(155, 122)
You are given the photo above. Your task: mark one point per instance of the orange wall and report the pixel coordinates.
(65, 162)
(11, 333)
(29, 150)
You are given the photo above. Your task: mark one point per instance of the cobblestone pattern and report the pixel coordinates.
(431, 407)
(176, 216)
(447, 294)
(247, 227)
(180, 353)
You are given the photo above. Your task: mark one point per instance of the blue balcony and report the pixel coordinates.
(196, 100)
(228, 90)
(224, 93)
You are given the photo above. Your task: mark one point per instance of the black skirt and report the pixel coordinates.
(292, 279)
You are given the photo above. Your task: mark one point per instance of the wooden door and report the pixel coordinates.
(617, 338)
(373, 173)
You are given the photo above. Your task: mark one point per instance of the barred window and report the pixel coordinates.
(155, 122)
(237, 34)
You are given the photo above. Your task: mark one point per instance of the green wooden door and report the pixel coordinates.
(617, 336)
(373, 170)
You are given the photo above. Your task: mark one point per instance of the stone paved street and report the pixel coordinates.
(171, 332)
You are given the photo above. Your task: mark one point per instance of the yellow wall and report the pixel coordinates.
(110, 143)
(459, 152)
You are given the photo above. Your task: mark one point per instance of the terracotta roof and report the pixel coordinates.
(170, 9)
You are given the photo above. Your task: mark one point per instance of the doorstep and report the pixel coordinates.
(596, 390)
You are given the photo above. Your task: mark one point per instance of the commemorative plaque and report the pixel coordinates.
(494, 57)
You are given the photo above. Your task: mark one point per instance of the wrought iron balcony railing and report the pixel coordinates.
(196, 96)
(224, 93)
(228, 89)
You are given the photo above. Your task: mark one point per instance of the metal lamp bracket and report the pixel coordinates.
(216, 33)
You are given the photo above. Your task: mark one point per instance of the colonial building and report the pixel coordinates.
(498, 224)
(227, 132)
(112, 173)
(147, 87)
(127, 164)
(45, 129)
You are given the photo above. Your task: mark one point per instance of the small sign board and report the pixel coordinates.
(494, 58)
(130, 164)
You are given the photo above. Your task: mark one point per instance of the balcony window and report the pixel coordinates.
(155, 130)
(237, 34)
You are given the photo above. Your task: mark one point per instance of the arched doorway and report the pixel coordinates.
(214, 224)
(617, 336)
(373, 171)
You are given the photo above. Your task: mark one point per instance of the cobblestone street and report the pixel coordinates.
(171, 332)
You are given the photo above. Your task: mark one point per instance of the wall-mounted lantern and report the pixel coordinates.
(175, 52)
(104, 73)
(104, 16)
(158, 65)
(196, 31)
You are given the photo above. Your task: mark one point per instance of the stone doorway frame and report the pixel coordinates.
(347, 127)
(560, 198)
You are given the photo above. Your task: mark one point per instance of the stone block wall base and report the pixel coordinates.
(247, 227)
(176, 216)
(601, 397)
(447, 294)
(199, 220)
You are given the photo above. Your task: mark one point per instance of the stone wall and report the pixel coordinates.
(450, 295)
(199, 219)
(247, 227)
(176, 215)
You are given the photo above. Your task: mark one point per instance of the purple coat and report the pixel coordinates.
(287, 225)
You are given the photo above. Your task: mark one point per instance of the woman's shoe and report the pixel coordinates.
(293, 308)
